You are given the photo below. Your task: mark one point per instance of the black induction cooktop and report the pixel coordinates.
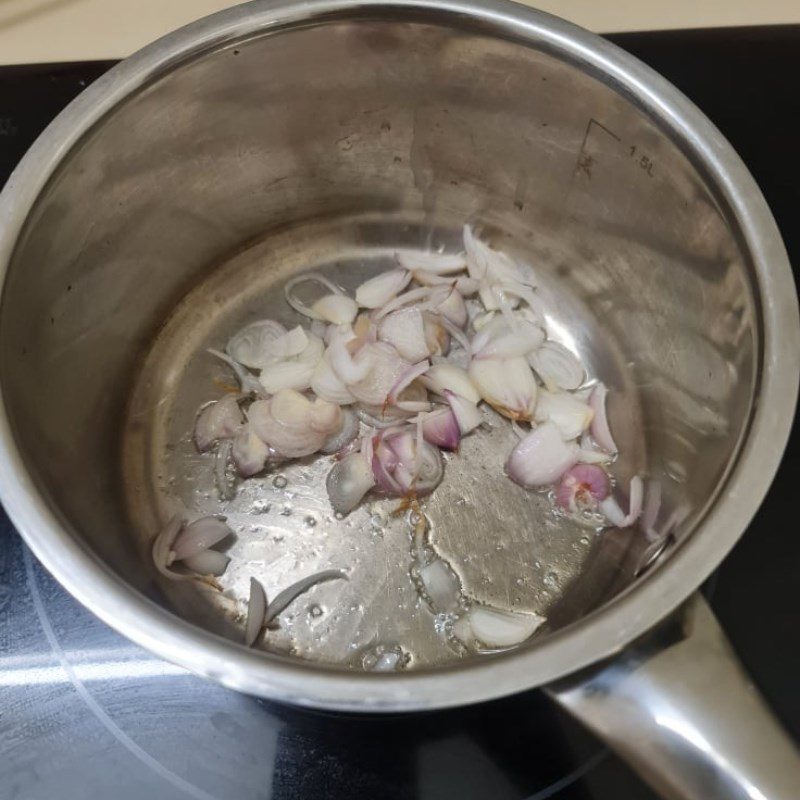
(84, 713)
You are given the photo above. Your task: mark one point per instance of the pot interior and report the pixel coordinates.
(180, 215)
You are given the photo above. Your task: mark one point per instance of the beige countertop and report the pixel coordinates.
(69, 30)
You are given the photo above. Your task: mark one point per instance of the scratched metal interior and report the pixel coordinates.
(181, 215)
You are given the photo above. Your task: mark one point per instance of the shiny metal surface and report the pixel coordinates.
(504, 543)
(662, 258)
(680, 709)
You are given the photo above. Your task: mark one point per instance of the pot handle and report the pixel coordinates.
(678, 707)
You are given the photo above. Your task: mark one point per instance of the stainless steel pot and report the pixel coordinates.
(174, 196)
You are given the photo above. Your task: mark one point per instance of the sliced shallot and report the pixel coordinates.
(218, 420)
(249, 452)
(404, 329)
(348, 481)
(570, 416)
(285, 423)
(162, 547)
(294, 372)
(379, 290)
(256, 611)
(325, 383)
(557, 367)
(463, 283)
(198, 536)
(412, 296)
(436, 263)
(495, 628)
(541, 458)
(615, 515)
(601, 432)
(313, 279)
(441, 428)
(208, 562)
(349, 368)
(507, 385)
(502, 338)
(468, 416)
(335, 308)
(387, 368)
(449, 302)
(582, 487)
(253, 345)
(441, 377)
(344, 436)
(284, 598)
(247, 381)
(405, 379)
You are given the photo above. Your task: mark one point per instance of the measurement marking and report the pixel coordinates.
(585, 162)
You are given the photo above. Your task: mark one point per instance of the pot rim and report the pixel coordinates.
(599, 634)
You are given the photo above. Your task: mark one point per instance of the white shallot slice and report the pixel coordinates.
(379, 290)
(503, 339)
(507, 385)
(387, 368)
(465, 285)
(253, 346)
(325, 383)
(289, 344)
(198, 536)
(335, 308)
(449, 302)
(615, 515)
(541, 458)
(405, 379)
(495, 628)
(459, 336)
(314, 279)
(256, 611)
(442, 586)
(436, 336)
(436, 263)
(291, 433)
(286, 375)
(571, 416)
(346, 433)
(441, 428)
(249, 452)
(601, 432)
(209, 562)
(486, 264)
(455, 379)
(162, 548)
(291, 593)
(348, 481)
(247, 381)
(404, 329)
(325, 417)
(218, 420)
(468, 416)
(557, 366)
(412, 296)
